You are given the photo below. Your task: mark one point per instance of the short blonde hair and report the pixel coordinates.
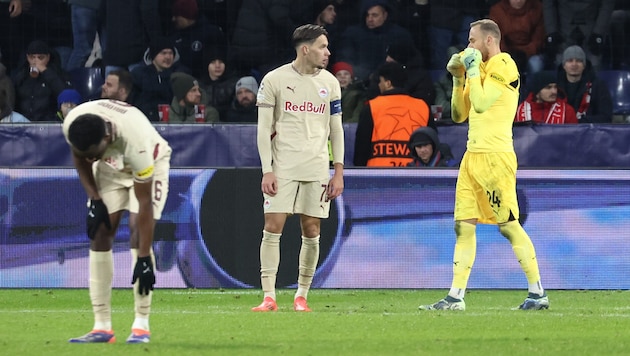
(489, 27)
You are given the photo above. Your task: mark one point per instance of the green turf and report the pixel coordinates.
(344, 322)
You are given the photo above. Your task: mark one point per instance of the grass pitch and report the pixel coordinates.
(344, 322)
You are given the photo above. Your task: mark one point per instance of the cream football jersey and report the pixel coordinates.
(305, 107)
(136, 144)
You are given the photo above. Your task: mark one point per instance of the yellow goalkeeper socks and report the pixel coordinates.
(463, 257)
(525, 254)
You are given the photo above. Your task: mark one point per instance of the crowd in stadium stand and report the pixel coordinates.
(50, 46)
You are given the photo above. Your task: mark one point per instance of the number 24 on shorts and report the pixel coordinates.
(493, 198)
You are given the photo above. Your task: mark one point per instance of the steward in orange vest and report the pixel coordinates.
(387, 121)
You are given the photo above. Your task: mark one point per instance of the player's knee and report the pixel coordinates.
(273, 227)
(310, 227)
(509, 228)
(274, 223)
(310, 232)
(103, 241)
(464, 228)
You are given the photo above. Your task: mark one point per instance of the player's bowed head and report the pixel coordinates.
(89, 136)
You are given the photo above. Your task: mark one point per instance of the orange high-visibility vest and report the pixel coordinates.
(395, 118)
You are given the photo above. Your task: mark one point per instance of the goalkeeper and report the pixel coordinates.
(123, 164)
(485, 91)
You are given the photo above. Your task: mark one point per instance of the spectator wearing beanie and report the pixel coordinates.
(66, 101)
(152, 82)
(588, 94)
(427, 150)
(243, 108)
(39, 82)
(189, 101)
(352, 94)
(324, 14)
(219, 80)
(545, 103)
(193, 34)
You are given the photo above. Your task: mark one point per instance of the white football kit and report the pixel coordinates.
(306, 112)
(293, 142)
(137, 153)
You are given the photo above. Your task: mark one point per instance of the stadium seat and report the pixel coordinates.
(618, 82)
(88, 82)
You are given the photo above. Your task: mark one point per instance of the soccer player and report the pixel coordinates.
(486, 184)
(299, 108)
(123, 164)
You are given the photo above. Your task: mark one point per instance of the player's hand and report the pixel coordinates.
(455, 66)
(143, 273)
(15, 8)
(335, 187)
(471, 60)
(269, 184)
(41, 67)
(97, 214)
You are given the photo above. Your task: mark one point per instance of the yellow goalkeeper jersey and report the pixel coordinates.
(491, 130)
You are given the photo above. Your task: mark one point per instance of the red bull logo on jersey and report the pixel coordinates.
(305, 106)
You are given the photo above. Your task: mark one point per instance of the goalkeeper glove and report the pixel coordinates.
(143, 273)
(97, 214)
(455, 66)
(471, 61)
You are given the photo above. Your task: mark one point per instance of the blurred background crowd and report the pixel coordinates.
(202, 60)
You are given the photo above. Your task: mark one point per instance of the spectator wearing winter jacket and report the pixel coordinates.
(545, 103)
(243, 108)
(427, 151)
(193, 34)
(364, 46)
(39, 82)
(353, 93)
(522, 32)
(190, 102)
(152, 81)
(588, 94)
(219, 80)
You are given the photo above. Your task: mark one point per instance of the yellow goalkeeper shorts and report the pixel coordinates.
(486, 188)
